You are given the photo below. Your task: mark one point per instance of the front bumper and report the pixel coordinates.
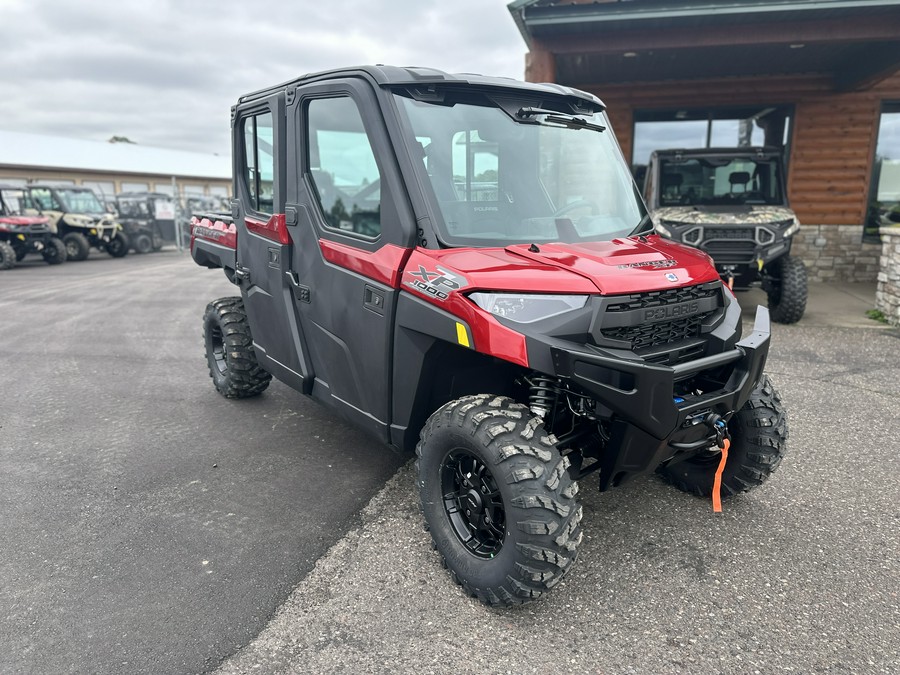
(651, 422)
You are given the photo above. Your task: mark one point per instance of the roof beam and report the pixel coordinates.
(675, 37)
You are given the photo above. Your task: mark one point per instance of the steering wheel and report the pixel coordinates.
(580, 204)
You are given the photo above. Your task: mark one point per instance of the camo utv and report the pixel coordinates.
(732, 203)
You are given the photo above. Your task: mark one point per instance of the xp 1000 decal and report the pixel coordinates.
(437, 283)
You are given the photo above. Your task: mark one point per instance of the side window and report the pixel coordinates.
(259, 162)
(343, 167)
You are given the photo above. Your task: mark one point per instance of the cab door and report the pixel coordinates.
(352, 227)
(263, 243)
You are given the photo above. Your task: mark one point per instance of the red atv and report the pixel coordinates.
(21, 234)
(462, 266)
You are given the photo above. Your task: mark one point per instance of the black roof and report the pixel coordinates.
(390, 76)
(729, 152)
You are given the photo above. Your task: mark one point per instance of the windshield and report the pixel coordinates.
(80, 201)
(539, 178)
(12, 202)
(711, 181)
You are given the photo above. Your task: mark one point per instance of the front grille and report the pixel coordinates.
(653, 334)
(711, 233)
(646, 320)
(733, 252)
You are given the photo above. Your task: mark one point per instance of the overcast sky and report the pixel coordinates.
(166, 72)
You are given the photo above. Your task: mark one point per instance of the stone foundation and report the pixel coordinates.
(887, 294)
(836, 253)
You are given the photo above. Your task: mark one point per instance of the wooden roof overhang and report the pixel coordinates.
(856, 43)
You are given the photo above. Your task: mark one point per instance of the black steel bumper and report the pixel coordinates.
(651, 421)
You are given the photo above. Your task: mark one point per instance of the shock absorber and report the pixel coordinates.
(542, 395)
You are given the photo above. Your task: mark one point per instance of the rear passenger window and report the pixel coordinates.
(343, 167)
(259, 162)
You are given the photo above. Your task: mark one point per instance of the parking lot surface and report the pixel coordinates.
(148, 524)
(151, 526)
(799, 576)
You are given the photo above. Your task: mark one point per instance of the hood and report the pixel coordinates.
(620, 266)
(19, 221)
(723, 215)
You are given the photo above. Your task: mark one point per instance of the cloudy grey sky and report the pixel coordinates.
(166, 72)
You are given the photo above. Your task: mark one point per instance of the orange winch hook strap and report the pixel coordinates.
(717, 482)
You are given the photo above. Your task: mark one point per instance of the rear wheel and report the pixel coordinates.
(143, 243)
(21, 252)
(117, 247)
(156, 238)
(229, 350)
(7, 256)
(759, 435)
(54, 252)
(787, 293)
(498, 499)
(77, 246)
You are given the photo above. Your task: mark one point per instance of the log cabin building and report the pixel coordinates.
(818, 78)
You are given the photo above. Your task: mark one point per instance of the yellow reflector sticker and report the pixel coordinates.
(462, 335)
(21, 237)
(93, 231)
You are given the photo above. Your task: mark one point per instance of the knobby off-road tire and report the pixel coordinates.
(759, 435)
(21, 252)
(7, 256)
(54, 252)
(77, 246)
(156, 240)
(229, 350)
(142, 243)
(488, 456)
(118, 246)
(787, 300)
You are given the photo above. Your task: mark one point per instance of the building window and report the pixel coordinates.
(757, 125)
(884, 190)
(106, 190)
(134, 187)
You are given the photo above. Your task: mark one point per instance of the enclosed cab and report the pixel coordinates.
(463, 267)
(148, 218)
(732, 203)
(21, 234)
(79, 218)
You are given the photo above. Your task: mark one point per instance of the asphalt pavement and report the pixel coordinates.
(148, 524)
(801, 575)
(151, 526)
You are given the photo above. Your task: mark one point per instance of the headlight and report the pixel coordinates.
(793, 228)
(527, 308)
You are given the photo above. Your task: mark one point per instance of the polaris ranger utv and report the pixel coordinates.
(21, 234)
(731, 203)
(79, 219)
(462, 266)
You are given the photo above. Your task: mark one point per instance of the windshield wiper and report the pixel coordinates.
(556, 118)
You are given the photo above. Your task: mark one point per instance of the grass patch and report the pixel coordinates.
(877, 315)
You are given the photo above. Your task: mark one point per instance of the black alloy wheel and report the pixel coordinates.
(473, 503)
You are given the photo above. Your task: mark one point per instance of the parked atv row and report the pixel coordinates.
(64, 222)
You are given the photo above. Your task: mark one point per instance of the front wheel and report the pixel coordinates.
(229, 350)
(117, 247)
(77, 246)
(143, 243)
(788, 291)
(498, 499)
(54, 252)
(7, 256)
(759, 435)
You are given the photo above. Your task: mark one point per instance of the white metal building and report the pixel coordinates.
(110, 168)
